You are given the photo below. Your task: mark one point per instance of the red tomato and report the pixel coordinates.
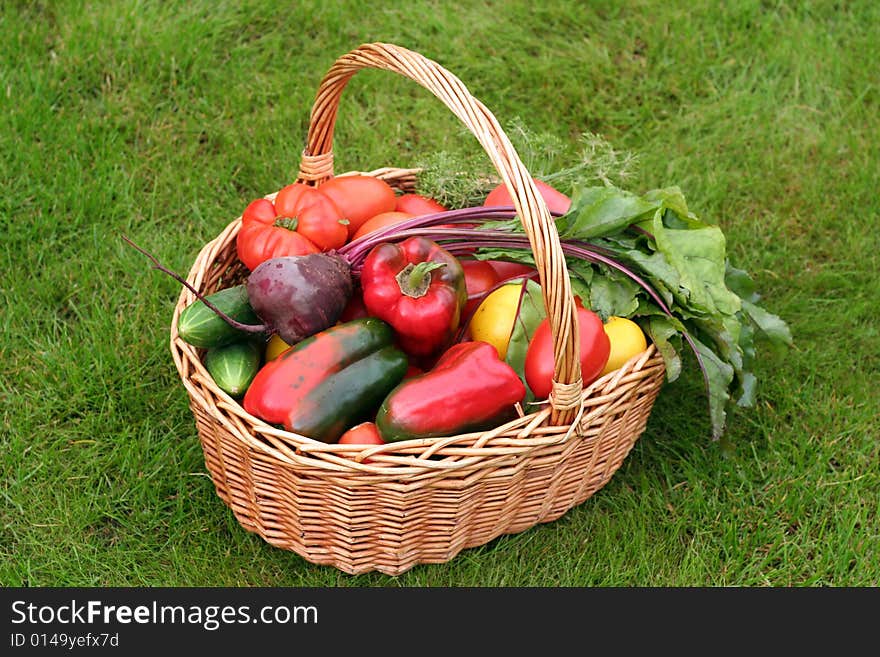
(259, 239)
(359, 198)
(595, 349)
(556, 201)
(506, 270)
(479, 277)
(381, 220)
(417, 205)
(364, 433)
(317, 217)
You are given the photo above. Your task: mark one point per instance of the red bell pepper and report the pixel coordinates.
(418, 287)
(469, 389)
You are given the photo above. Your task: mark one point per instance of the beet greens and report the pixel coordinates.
(644, 257)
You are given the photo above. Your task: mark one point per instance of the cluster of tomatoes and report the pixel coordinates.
(304, 219)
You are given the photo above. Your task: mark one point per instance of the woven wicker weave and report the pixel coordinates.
(390, 507)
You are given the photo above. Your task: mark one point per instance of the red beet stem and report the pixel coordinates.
(248, 328)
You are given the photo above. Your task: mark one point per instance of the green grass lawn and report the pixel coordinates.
(162, 120)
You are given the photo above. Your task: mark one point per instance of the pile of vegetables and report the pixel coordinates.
(371, 317)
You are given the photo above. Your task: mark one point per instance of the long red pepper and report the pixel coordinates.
(470, 388)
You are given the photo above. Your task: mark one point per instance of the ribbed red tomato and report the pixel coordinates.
(314, 214)
(595, 349)
(259, 238)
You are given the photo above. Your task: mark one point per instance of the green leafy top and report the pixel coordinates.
(705, 300)
(671, 272)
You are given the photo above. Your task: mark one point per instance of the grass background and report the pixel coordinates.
(162, 120)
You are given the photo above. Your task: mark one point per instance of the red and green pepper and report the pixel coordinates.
(324, 384)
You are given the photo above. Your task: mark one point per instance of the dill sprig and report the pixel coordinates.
(457, 179)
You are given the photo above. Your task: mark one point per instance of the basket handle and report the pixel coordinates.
(316, 167)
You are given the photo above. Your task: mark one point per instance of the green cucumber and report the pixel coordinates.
(279, 388)
(200, 326)
(233, 366)
(349, 396)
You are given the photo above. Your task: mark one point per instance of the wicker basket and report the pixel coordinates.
(390, 507)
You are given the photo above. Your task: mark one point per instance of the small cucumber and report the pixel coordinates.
(200, 326)
(234, 366)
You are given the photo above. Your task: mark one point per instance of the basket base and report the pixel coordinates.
(390, 525)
